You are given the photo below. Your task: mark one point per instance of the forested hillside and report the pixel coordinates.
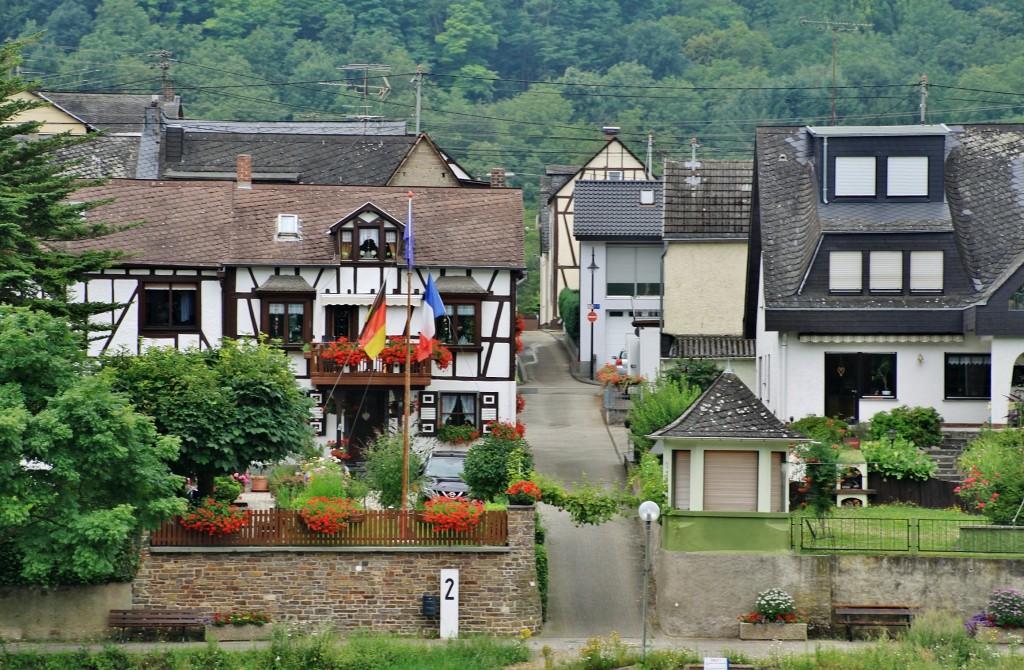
(521, 83)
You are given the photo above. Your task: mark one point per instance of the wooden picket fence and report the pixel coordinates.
(373, 528)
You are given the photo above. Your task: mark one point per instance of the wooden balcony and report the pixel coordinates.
(324, 371)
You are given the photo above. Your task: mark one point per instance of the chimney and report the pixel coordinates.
(243, 171)
(498, 178)
(168, 92)
(610, 131)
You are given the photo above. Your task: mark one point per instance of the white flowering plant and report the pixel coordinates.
(773, 606)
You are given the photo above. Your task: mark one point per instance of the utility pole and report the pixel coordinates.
(836, 27)
(417, 81)
(650, 156)
(924, 97)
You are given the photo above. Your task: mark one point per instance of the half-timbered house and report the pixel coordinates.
(302, 265)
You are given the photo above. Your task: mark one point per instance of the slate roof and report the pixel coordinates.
(611, 210)
(112, 156)
(716, 207)
(984, 211)
(713, 346)
(204, 223)
(112, 112)
(295, 127)
(357, 160)
(728, 409)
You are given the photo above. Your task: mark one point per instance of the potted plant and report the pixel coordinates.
(238, 625)
(215, 518)
(523, 492)
(330, 515)
(774, 618)
(457, 514)
(881, 375)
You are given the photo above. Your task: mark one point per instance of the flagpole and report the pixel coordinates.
(408, 359)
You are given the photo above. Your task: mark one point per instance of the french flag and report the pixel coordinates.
(432, 308)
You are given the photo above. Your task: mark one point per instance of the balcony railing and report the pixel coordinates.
(365, 373)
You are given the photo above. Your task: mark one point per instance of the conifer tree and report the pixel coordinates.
(38, 212)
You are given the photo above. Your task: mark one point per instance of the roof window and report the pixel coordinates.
(647, 196)
(288, 227)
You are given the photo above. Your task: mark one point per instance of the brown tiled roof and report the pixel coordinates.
(728, 409)
(214, 223)
(716, 206)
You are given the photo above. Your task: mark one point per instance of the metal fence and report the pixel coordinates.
(905, 536)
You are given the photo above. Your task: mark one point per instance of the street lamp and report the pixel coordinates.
(649, 512)
(593, 269)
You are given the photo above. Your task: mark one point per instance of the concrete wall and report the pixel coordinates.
(351, 589)
(62, 613)
(704, 288)
(700, 595)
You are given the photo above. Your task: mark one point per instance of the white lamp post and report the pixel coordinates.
(649, 512)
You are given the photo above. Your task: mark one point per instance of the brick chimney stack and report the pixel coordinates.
(243, 171)
(498, 178)
(168, 92)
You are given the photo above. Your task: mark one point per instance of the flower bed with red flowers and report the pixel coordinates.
(523, 493)
(754, 617)
(216, 518)
(328, 515)
(453, 513)
(240, 618)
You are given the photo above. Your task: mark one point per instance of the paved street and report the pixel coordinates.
(595, 571)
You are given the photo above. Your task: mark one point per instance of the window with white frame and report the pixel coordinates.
(926, 271)
(633, 271)
(907, 176)
(845, 271)
(887, 271)
(855, 176)
(288, 226)
(459, 409)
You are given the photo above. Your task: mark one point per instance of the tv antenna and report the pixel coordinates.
(363, 86)
(836, 27)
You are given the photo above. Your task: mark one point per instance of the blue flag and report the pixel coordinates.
(408, 236)
(432, 309)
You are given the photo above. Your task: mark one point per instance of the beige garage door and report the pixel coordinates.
(730, 481)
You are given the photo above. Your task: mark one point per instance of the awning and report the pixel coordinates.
(391, 300)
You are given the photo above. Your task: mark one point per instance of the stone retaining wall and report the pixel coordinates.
(354, 588)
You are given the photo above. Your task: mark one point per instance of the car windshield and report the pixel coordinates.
(444, 467)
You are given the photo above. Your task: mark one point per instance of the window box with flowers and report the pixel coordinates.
(215, 518)
(457, 514)
(239, 625)
(463, 433)
(774, 618)
(349, 354)
(330, 515)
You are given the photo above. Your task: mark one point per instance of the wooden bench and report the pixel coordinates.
(156, 619)
(882, 616)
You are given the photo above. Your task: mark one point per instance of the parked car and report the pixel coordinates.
(621, 362)
(442, 475)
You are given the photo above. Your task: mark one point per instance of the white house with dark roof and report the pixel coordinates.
(891, 270)
(618, 227)
(302, 265)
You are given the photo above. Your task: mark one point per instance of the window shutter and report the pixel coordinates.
(886, 270)
(855, 176)
(777, 482)
(428, 412)
(488, 409)
(926, 270)
(681, 479)
(730, 481)
(845, 271)
(907, 176)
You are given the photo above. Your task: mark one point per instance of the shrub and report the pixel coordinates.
(649, 478)
(899, 459)
(822, 428)
(699, 372)
(226, 489)
(487, 465)
(920, 425)
(661, 403)
(541, 554)
(821, 470)
(384, 468)
(994, 485)
(569, 311)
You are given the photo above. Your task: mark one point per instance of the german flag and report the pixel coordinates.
(372, 339)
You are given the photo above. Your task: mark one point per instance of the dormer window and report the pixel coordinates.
(844, 271)
(855, 176)
(886, 271)
(369, 236)
(926, 271)
(287, 227)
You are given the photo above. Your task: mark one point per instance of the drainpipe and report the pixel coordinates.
(783, 370)
(824, 170)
